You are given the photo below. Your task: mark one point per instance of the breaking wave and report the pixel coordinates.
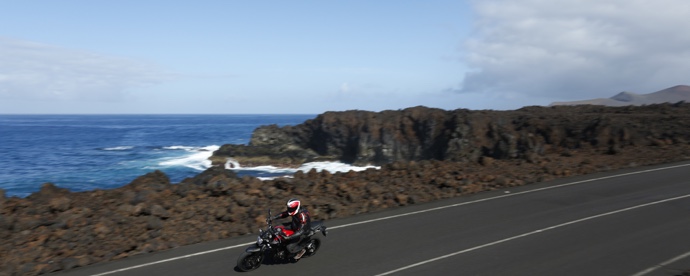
(197, 159)
(271, 172)
(119, 148)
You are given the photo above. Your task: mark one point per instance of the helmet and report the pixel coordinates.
(293, 206)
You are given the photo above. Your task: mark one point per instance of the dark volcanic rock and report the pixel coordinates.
(156, 180)
(208, 176)
(216, 180)
(269, 145)
(48, 191)
(426, 154)
(421, 133)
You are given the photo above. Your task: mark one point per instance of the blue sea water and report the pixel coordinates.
(87, 152)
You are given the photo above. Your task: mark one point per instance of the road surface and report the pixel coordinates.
(628, 222)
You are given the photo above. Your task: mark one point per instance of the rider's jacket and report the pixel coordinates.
(301, 222)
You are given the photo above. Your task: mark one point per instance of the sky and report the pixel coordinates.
(309, 57)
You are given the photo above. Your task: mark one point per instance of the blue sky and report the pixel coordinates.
(310, 57)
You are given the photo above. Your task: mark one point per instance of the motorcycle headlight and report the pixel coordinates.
(259, 240)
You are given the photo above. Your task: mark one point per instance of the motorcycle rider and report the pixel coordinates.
(301, 223)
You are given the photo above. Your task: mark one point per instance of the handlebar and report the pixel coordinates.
(269, 219)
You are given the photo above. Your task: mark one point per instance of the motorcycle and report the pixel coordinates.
(271, 243)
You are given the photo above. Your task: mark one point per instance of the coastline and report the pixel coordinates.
(55, 229)
(88, 152)
(40, 232)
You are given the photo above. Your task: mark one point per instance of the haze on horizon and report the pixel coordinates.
(276, 57)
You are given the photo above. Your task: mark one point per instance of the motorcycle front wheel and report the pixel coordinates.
(250, 261)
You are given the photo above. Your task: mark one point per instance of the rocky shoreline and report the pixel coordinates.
(421, 133)
(55, 229)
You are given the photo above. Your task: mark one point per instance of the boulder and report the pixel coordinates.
(154, 181)
(60, 204)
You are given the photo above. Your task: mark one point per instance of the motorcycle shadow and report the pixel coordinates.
(268, 261)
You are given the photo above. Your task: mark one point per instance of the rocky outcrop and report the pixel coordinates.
(420, 133)
(55, 229)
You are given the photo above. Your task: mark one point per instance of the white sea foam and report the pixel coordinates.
(331, 167)
(232, 164)
(185, 148)
(119, 148)
(198, 159)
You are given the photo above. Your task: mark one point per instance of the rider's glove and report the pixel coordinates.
(282, 234)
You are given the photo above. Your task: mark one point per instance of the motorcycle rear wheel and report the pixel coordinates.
(250, 261)
(311, 247)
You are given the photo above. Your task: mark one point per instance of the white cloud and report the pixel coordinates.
(574, 49)
(344, 87)
(33, 71)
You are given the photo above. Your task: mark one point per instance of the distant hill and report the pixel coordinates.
(668, 95)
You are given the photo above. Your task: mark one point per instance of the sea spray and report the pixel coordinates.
(197, 159)
(271, 172)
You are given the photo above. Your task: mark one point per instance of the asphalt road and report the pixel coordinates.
(629, 222)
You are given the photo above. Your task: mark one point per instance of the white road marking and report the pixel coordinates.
(508, 195)
(672, 260)
(172, 259)
(532, 233)
(402, 215)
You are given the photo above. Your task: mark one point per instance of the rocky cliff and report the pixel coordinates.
(421, 133)
(433, 154)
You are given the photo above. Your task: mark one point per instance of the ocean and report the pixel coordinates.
(88, 152)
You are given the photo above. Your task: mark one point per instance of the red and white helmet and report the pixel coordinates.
(293, 206)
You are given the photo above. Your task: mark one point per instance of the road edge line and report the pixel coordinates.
(402, 215)
(533, 232)
(663, 264)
